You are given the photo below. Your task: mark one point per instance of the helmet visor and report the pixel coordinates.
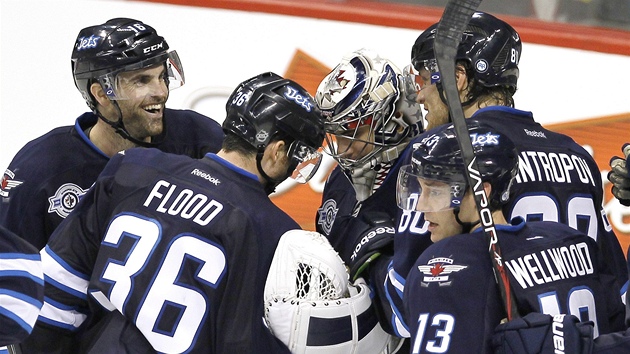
(412, 82)
(426, 195)
(432, 68)
(306, 160)
(173, 75)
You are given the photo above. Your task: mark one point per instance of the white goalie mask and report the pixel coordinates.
(311, 306)
(365, 100)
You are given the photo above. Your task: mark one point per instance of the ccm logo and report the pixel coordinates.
(153, 48)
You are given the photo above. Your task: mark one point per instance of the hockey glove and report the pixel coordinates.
(376, 237)
(620, 177)
(540, 333)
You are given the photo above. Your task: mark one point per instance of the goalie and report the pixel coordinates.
(311, 306)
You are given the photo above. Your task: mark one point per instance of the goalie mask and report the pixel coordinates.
(436, 178)
(364, 100)
(311, 307)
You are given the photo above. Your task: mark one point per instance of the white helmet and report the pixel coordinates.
(365, 89)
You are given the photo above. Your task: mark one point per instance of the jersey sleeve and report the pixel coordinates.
(21, 287)
(24, 204)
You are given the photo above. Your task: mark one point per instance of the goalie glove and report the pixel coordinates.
(310, 306)
(620, 177)
(369, 242)
(537, 333)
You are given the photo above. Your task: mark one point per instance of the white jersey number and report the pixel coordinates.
(579, 209)
(164, 291)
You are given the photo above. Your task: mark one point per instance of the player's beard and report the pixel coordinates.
(141, 124)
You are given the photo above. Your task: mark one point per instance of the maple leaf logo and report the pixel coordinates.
(437, 269)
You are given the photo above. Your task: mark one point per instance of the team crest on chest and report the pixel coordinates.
(326, 215)
(438, 270)
(65, 199)
(8, 182)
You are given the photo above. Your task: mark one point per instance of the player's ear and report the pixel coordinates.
(99, 95)
(487, 187)
(278, 150)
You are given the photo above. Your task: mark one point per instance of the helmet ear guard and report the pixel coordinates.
(310, 305)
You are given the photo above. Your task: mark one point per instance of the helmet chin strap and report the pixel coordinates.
(466, 226)
(119, 128)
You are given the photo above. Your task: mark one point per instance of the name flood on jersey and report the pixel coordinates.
(551, 264)
(168, 198)
(553, 167)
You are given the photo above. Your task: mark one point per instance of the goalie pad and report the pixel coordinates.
(310, 306)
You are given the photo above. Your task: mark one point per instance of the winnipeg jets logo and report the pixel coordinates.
(303, 100)
(65, 199)
(438, 270)
(326, 215)
(87, 42)
(484, 139)
(337, 85)
(8, 183)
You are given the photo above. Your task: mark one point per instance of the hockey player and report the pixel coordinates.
(451, 297)
(370, 118)
(371, 115)
(517, 336)
(124, 71)
(21, 287)
(558, 180)
(181, 247)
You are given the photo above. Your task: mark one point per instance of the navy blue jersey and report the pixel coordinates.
(453, 302)
(180, 246)
(557, 181)
(339, 217)
(21, 287)
(49, 175)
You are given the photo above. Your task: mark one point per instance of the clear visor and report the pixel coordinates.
(432, 67)
(308, 160)
(419, 194)
(174, 74)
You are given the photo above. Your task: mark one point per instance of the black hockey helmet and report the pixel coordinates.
(268, 106)
(491, 47)
(120, 44)
(438, 157)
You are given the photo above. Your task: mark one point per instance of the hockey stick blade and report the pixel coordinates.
(450, 29)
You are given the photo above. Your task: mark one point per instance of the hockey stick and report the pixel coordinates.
(448, 36)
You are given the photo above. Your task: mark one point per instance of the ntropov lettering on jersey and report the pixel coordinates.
(543, 166)
(167, 198)
(551, 264)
